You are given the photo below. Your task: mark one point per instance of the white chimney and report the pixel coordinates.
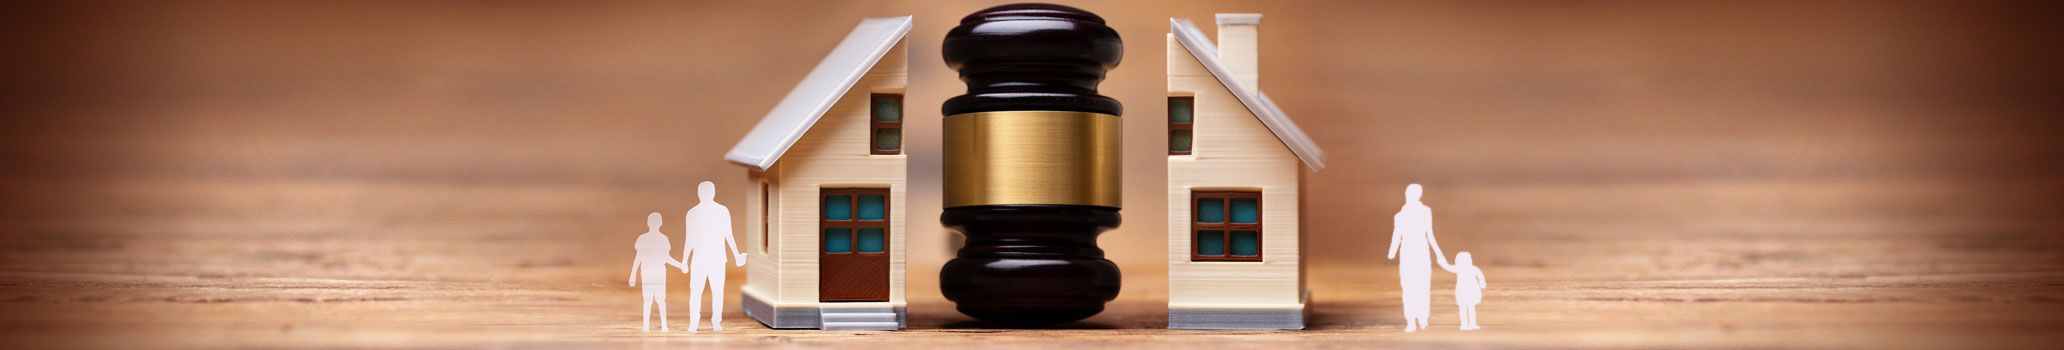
(1239, 46)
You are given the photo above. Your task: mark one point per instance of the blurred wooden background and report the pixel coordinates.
(457, 174)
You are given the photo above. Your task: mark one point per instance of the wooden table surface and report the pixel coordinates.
(417, 281)
(146, 311)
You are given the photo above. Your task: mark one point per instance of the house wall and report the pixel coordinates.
(762, 268)
(1231, 150)
(834, 153)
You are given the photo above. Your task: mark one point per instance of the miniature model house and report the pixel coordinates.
(1235, 247)
(826, 219)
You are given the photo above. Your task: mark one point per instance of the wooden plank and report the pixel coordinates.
(88, 310)
(223, 275)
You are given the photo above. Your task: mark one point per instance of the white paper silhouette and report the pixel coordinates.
(654, 253)
(709, 232)
(1413, 236)
(1469, 286)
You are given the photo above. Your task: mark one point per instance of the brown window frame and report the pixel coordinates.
(1197, 225)
(1191, 125)
(874, 132)
(766, 215)
(853, 221)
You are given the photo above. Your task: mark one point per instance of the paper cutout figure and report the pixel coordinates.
(709, 225)
(1412, 236)
(654, 253)
(1469, 286)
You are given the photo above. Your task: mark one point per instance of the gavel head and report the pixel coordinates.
(1032, 57)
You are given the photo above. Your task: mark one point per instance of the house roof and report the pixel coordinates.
(833, 76)
(1256, 101)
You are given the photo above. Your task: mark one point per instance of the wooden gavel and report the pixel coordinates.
(1031, 164)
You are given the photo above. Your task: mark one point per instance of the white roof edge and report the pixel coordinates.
(1239, 18)
(1263, 108)
(808, 101)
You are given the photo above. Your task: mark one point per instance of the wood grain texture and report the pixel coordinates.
(95, 310)
(530, 274)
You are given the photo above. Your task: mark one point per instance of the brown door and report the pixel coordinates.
(853, 254)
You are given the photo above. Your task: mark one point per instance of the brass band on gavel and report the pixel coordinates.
(1032, 157)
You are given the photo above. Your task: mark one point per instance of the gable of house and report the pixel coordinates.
(818, 92)
(1258, 103)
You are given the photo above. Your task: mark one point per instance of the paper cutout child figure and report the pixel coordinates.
(1412, 237)
(709, 231)
(654, 253)
(1469, 286)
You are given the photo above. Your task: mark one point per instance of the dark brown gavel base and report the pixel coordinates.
(1030, 264)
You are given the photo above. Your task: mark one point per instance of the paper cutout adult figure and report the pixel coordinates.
(1411, 237)
(709, 231)
(654, 254)
(1469, 286)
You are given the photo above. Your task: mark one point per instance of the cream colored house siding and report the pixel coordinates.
(834, 154)
(1231, 150)
(762, 267)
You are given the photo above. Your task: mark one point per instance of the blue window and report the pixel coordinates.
(1180, 124)
(838, 240)
(1246, 243)
(872, 239)
(873, 206)
(1227, 226)
(838, 207)
(1211, 242)
(1211, 210)
(887, 137)
(855, 220)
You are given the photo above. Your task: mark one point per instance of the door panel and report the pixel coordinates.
(853, 257)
